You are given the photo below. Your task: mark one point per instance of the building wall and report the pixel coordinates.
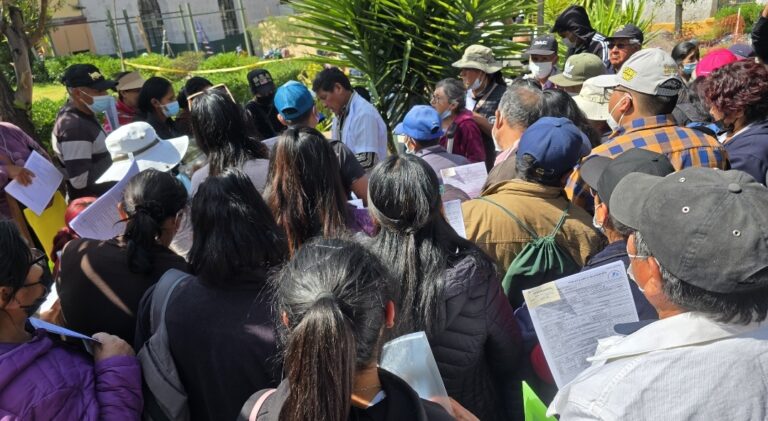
(696, 10)
(210, 20)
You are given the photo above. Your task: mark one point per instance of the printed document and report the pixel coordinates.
(100, 220)
(469, 178)
(46, 181)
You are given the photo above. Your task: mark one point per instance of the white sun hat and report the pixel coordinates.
(139, 142)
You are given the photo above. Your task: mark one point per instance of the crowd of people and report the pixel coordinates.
(265, 286)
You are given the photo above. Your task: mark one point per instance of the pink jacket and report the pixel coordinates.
(467, 138)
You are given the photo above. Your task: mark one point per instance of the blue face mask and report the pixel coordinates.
(445, 114)
(689, 68)
(101, 103)
(171, 109)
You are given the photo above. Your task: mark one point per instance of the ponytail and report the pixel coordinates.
(320, 364)
(149, 199)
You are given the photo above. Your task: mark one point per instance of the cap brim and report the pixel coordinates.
(165, 155)
(103, 85)
(605, 81)
(136, 84)
(399, 129)
(540, 52)
(469, 64)
(592, 110)
(629, 197)
(592, 169)
(563, 81)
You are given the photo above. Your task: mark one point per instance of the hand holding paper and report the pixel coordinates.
(35, 184)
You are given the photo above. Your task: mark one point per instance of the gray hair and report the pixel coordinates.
(521, 105)
(738, 307)
(455, 92)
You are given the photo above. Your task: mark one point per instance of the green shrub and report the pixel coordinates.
(56, 66)
(749, 12)
(43, 117)
(188, 60)
(226, 61)
(157, 60)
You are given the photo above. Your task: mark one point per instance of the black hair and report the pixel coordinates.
(328, 78)
(14, 257)
(557, 103)
(221, 132)
(414, 240)
(196, 84)
(528, 170)
(654, 104)
(333, 295)
(154, 88)
(363, 92)
(427, 143)
(736, 307)
(234, 233)
(305, 191)
(149, 198)
(302, 119)
(182, 98)
(683, 50)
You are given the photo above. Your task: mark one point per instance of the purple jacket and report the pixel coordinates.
(45, 380)
(15, 146)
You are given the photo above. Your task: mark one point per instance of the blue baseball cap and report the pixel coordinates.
(421, 123)
(555, 143)
(293, 99)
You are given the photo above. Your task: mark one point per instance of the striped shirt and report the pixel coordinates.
(79, 144)
(683, 146)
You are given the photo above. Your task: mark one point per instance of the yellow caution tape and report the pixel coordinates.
(202, 72)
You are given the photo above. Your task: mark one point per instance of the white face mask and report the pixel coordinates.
(476, 84)
(631, 276)
(597, 225)
(540, 70)
(495, 142)
(612, 123)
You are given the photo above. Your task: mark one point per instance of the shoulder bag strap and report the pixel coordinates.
(260, 403)
(485, 97)
(162, 294)
(525, 227)
(561, 221)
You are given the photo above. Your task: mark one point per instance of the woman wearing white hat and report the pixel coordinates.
(481, 74)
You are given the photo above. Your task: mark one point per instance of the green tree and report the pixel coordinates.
(403, 47)
(22, 26)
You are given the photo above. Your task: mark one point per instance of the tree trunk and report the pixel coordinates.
(11, 114)
(679, 18)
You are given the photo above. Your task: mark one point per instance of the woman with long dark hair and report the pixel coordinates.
(219, 322)
(557, 103)
(101, 283)
(42, 378)
(157, 106)
(305, 191)
(334, 303)
(448, 288)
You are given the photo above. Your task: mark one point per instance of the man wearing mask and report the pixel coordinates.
(574, 27)
(78, 139)
(626, 40)
(542, 61)
(260, 111)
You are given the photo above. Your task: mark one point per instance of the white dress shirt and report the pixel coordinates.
(363, 130)
(685, 367)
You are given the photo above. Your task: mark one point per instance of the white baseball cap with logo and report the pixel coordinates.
(139, 142)
(649, 71)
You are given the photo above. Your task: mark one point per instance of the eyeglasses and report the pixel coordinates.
(434, 99)
(607, 92)
(39, 258)
(637, 256)
(222, 88)
(621, 46)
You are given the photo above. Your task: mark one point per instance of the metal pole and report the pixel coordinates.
(184, 27)
(192, 26)
(130, 32)
(540, 14)
(243, 21)
(115, 38)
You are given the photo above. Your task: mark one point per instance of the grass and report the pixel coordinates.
(52, 91)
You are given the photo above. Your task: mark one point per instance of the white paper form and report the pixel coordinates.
(46, 181)
(572, 313)
(100, 220)
(469, 178)
(455, 217)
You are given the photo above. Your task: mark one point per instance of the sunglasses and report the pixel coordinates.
(221, 88)
(622, 46)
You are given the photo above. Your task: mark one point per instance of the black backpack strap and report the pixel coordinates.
(162, 294)
(525, 227)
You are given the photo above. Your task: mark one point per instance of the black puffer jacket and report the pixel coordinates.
(479, 348)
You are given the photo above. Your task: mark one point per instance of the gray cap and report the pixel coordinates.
(649, 71)
(707, 227)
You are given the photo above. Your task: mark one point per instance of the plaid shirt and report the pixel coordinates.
(683, 146)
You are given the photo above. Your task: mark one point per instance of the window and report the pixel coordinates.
(152, 21)
(228, 17)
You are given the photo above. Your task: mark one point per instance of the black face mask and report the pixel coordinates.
(266, 100)
(32, 308)
(723, 128)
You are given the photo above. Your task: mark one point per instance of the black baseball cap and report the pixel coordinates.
(543, 45)
(628, 31)
(260, 81)
(86, 75)
(707, 227)
(603, 173)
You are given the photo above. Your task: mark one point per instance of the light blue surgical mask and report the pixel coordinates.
(101, 103)
(171, 109)
(445, 114)
(689, 68)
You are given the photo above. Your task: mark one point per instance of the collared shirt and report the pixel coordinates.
(684, 367)
(548, 84)
(361, 128)
(683, 146)
(538, 206)
(438, 158)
